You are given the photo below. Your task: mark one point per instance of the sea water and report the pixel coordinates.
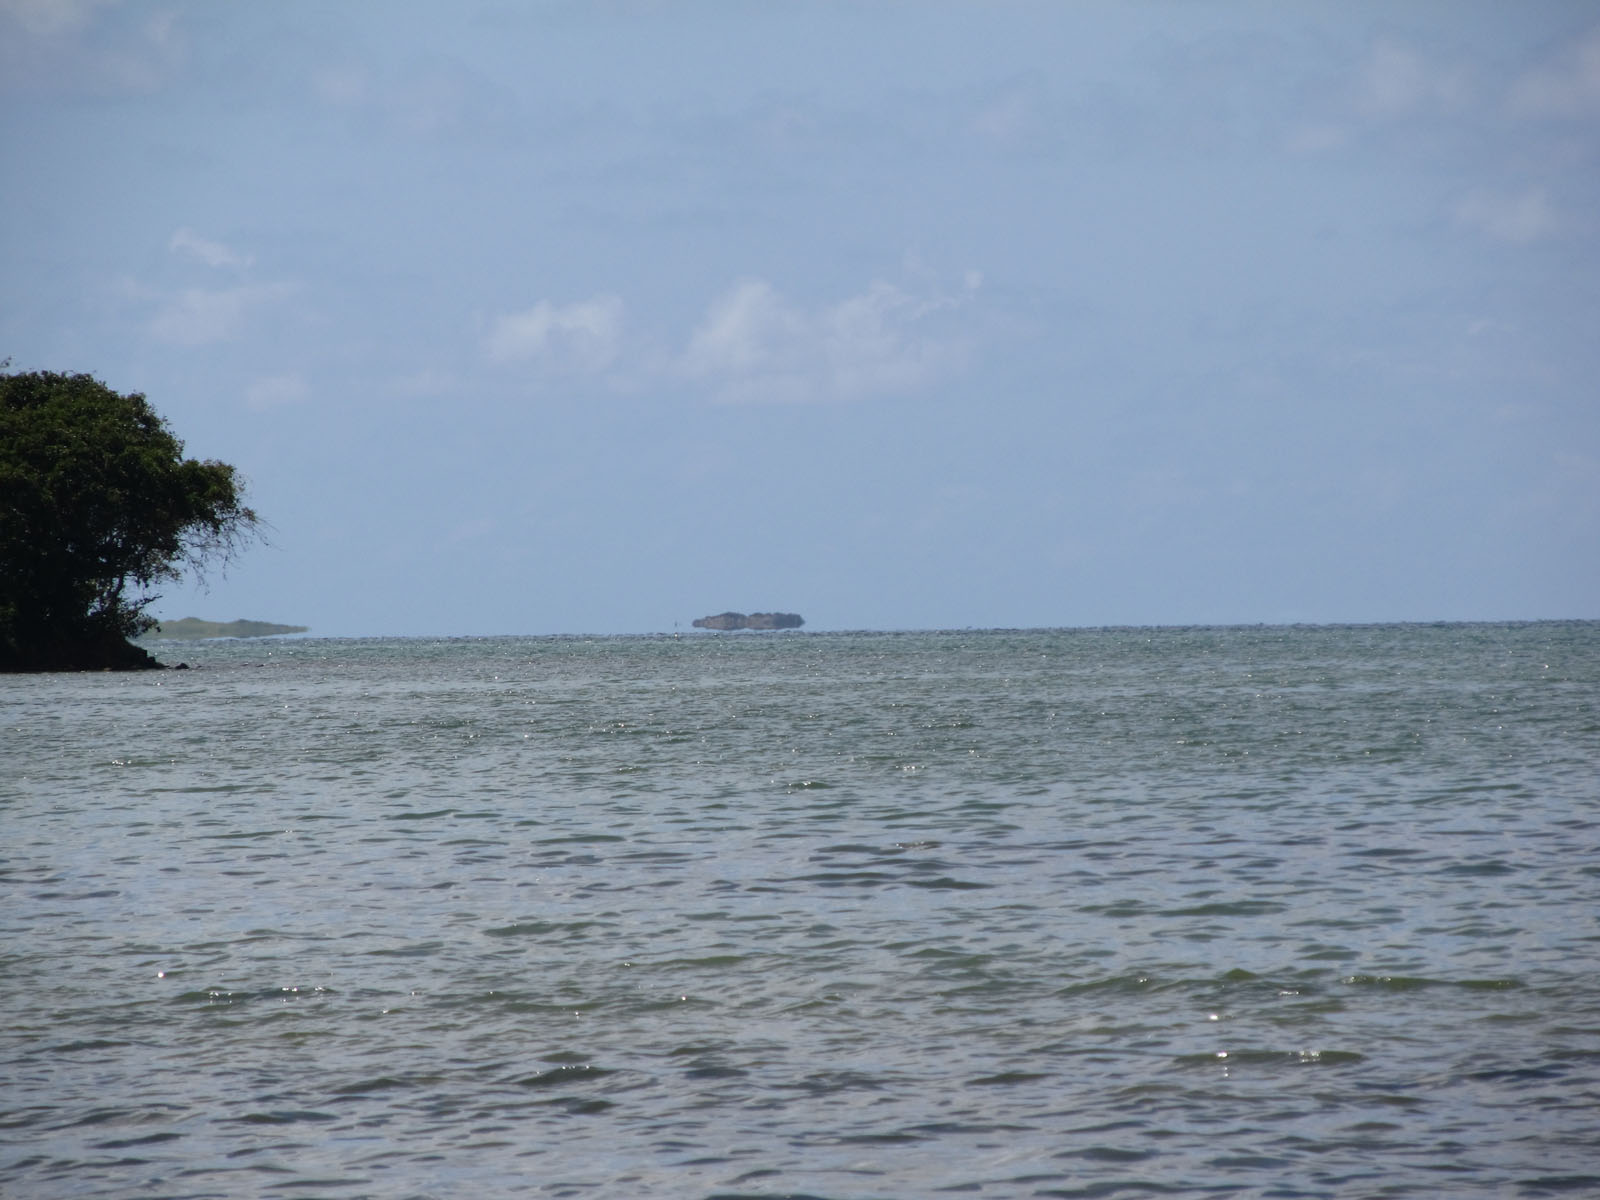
(1286, 912)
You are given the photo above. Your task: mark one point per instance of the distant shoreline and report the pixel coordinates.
(190, 629)
(1240, 626)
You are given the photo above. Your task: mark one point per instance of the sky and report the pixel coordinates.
(598, 317)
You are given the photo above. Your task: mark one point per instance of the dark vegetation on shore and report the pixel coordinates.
(97, 505)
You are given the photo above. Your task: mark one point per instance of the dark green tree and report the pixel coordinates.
(97, 504)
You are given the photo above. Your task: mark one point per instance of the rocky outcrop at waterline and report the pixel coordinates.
(738, 620)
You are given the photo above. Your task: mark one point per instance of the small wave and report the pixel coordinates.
(947, 884)
(1109, 1154)
(561, 1076)
(1412, 983)
(1545, 1185)
(1232, 908)
(1325, 1058)
(150, 1139)
(538, 929)
(283, 1116)
(1006, 1078)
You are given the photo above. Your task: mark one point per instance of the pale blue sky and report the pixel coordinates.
(598, 317)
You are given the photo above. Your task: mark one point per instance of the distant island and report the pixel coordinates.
(193, 628)
(738, 620)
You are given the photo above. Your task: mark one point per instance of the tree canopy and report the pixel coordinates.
(97, 504)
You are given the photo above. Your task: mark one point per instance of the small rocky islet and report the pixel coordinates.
(739, 620)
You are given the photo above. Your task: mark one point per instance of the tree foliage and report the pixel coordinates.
(97, 505)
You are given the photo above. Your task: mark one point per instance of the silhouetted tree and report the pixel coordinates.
(97, 503)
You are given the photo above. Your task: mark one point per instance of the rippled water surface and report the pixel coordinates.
(1208, 912)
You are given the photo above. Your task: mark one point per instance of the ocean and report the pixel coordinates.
(1249, 912)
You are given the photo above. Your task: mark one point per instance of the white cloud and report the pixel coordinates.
(584, 336)
(1396, 81)
(755, 346)
(66, 47)
(213, 254)
(1569, 86)
(749, 328)
(198, 316)
(1521, 218)
(1391, 84)
(276, 391)
(432, 98)
(52, 18)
